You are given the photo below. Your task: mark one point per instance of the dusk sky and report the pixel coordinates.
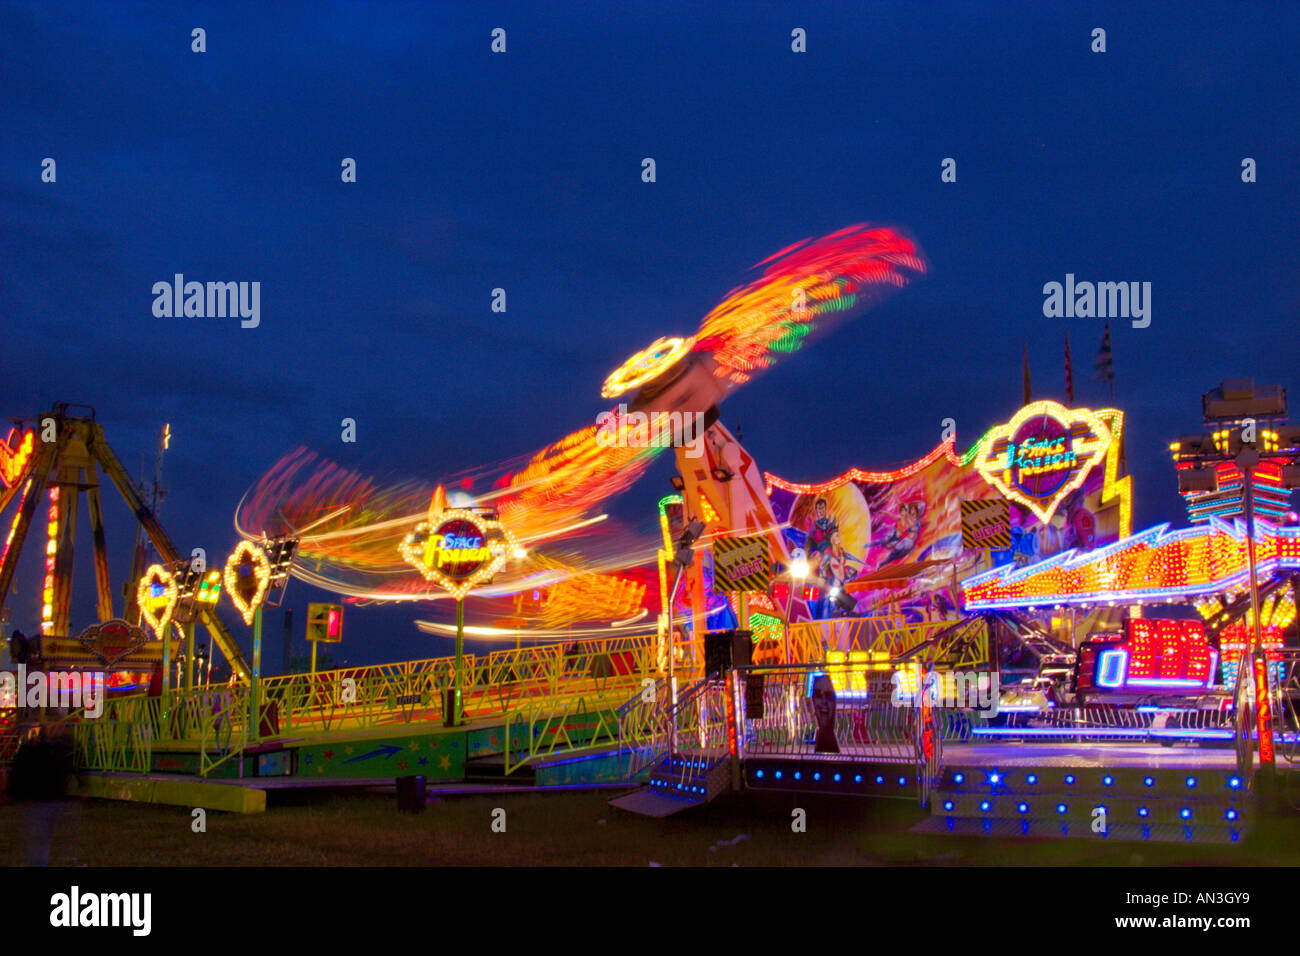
(522, 171)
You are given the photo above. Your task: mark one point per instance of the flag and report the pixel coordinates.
(1069, 372)
(1105, 360)
(1029, 392)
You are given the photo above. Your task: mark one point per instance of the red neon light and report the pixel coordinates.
(1168, 650)
(731, 685)
(1263, 709)
(943, 450)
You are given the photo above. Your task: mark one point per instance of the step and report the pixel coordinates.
(841, 775)
(1060, 808)
(1122, 781)
(691, 777)
(654, 803)
(1125, 832)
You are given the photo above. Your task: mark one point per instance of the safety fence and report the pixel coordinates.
(1119, 723)
(534, 684)
(790, 711)
(548, 726)
(643, 727)
(797, 712)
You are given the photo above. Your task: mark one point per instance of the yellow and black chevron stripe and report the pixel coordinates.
(742, 563)
(985, 523)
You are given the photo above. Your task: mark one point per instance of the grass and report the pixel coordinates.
(575, 829)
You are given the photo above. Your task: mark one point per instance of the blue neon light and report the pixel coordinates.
(1112, 667)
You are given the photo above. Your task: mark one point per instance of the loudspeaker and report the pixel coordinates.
(754, 696)
(724, 650)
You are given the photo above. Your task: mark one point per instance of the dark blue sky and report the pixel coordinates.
(522, 171)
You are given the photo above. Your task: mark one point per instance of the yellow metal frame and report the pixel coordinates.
(811, 641)
(544, 682)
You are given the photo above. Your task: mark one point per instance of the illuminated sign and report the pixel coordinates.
(1043, 454)
(15, 453)
(457, 549)
(157, 594)
(110, 642)
(1156, 564)
(325, 623)
(742, 563)
(247, 576)
(210, 587)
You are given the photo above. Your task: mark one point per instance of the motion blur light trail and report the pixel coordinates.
(555, 495)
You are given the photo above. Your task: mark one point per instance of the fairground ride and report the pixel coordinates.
(45, 466)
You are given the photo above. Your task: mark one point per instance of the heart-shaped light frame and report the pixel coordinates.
(170, 591)
(261, 568)
(1089, 447)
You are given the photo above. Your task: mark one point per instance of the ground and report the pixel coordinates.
(572, 829)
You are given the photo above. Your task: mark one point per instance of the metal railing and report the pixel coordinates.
(544, 727)
(643, 724)
(538, 685)
(698, 732)
(779, 716)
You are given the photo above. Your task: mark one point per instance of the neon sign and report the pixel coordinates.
(247, 577)
(157, 594)
(1043, 454)
(457, 549)
(15, 452)
(1154, 565)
